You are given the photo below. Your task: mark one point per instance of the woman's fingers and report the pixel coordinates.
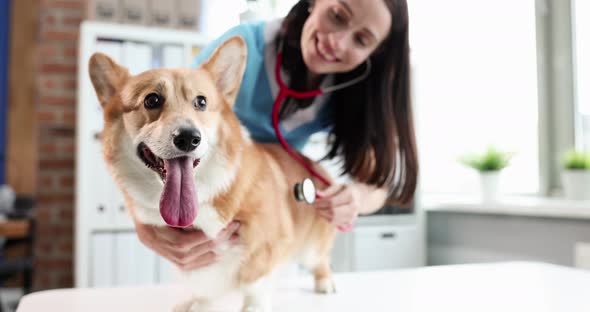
(340, 205)
(326, 215)
(347, 216)
(204, 254)
(228, 232)
(334, 204)
(341, 197)
(331, 190)
(202, 261)
(181, 239)
(195, 255)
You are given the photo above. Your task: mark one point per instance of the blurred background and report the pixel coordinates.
(502, 112)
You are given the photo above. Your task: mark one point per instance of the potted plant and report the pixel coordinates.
(576, 175)
(489, 165)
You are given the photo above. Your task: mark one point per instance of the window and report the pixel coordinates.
(282, 7)
(475, 84)
(216, 17)
(581, 30)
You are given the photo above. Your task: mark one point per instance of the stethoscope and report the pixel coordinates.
(306, 190)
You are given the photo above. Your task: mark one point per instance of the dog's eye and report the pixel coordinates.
(200, 103)
(152, 101)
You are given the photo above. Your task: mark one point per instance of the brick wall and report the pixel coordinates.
(56, 110)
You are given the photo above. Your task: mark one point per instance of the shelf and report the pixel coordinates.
(532, 206)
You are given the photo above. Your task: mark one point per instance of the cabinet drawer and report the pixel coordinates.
(120, 259)
(385, 247)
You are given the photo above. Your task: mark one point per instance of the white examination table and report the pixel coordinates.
(505, 287)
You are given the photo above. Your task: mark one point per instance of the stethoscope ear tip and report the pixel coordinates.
(305, 191)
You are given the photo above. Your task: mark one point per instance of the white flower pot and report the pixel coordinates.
(576, 184)
(489, 185)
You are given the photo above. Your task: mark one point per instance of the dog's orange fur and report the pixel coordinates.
(274, 226)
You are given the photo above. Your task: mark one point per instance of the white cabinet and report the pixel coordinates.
(385, 247)
(135, 264)
(100, 209)
(379, 243)
(101, 260)
(166, 272)
(120, 259)
(108, 252)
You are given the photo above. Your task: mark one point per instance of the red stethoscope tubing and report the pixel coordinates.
(283, 94)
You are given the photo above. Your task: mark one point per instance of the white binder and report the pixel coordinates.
(137, 57)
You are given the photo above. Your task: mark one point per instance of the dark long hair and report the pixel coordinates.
(372, 125)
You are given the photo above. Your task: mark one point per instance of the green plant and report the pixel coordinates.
(491, 160)
(576, 160)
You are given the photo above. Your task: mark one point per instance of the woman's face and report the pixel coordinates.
(339, 35)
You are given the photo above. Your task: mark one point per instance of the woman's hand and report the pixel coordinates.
(340, 204)
(188, 249)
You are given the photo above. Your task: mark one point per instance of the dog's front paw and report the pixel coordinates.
(186, 306)
(256, 304)
(325, 286)
(194, 305)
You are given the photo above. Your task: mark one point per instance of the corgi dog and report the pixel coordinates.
(181, 158)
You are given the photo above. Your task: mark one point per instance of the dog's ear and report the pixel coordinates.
(107, 76)
(226, 65)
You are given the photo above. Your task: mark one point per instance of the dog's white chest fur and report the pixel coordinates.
(220, 277)
(209, 221)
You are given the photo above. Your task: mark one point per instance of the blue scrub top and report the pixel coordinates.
(255, 99)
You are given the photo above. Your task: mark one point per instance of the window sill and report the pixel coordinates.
(530, 206)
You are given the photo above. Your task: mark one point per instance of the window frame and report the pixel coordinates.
(556, 79)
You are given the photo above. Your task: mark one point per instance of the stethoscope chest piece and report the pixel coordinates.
(305, 191)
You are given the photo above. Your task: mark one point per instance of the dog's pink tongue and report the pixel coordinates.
(178, 202)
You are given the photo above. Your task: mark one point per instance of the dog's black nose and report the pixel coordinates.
(187, 139)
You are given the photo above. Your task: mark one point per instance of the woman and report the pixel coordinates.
(325, 43)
